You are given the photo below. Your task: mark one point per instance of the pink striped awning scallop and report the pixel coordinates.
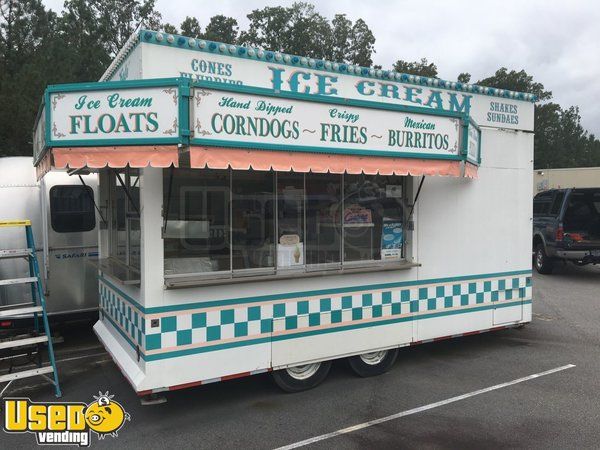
(282, 161)
(246, 159)
(116, 157)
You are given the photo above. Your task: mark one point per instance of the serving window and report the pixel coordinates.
(124, 201)
(229, 224)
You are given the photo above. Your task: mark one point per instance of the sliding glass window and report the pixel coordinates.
(225, 223)
(373, 218)
(124, 217)
(197, 228)
(323, 219)
(252, 213)
(290, 220)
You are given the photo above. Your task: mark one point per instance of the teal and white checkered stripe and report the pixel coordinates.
(122, 314)
(225, 324)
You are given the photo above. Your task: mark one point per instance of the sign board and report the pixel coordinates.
(473, 143)
(391, 239)
(113, 115)
(248, 120)
(229, 64)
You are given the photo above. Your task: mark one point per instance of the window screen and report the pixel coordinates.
(72, 209)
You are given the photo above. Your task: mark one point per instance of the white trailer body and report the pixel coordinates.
(211, 284)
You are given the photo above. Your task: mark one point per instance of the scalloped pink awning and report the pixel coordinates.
(116, 157)
(244, 159)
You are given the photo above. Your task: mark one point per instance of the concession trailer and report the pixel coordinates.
(260, 211)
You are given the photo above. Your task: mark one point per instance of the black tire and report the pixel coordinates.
(373, 363)
(301, 378)
(543, 264)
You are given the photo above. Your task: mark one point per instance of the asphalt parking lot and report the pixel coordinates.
(556, 410)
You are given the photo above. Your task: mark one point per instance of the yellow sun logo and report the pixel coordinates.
(105, 415)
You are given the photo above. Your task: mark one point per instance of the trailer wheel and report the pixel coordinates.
(373, 363)
(542, 263)
(302, 378)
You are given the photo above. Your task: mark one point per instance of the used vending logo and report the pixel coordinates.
(71, 423)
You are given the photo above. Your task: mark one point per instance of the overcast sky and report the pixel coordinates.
(557, 42)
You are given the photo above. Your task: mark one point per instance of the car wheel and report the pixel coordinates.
(543, 264)
(373, 363)
(302, 378)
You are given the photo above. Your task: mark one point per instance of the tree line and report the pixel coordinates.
(40, 47)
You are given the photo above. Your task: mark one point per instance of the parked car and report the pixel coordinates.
(566, 226)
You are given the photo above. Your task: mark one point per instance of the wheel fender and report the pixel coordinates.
(538, 237)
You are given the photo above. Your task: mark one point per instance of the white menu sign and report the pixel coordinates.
(227, 118)
(304, 77)
(116, 114)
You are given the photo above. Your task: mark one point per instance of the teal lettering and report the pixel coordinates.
(80, 102)
(213, 123)
(87, 126)
(102, 124)
(75, 124)
(464, 106)
(152, 118)
(276, 80)
(113, 100)
(137, 121)
(324, 86)
(360, 87)
(435, 97)
(122, 123)
(294, 81)
(389, 90)
(410, 93)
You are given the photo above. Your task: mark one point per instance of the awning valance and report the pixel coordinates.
(201, 157)
(244, 159)
(115, 157)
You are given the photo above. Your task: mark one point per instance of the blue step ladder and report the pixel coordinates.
(40, 335)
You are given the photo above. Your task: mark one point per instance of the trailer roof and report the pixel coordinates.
(259, 54)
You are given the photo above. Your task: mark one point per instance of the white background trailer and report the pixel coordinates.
(466, 264)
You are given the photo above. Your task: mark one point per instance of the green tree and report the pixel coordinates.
(516, 81)
(342, 32)
(222, 29)
(86, 56)
(191, 27)
(27, 37)
(362, 44)
(423, 68)
(169, 28)
(464, 77)
(118, 19)
(300, 29)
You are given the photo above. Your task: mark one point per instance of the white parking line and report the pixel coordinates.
(420, 409)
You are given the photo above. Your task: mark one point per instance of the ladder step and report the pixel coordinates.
(22, 342)
(25, 374)
(17, 253)
(20, 311)
(18, 281)
(15, 305)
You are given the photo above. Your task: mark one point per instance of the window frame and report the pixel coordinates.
(541, 199)
(113, 183)
(305, 270)
(53, 213)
